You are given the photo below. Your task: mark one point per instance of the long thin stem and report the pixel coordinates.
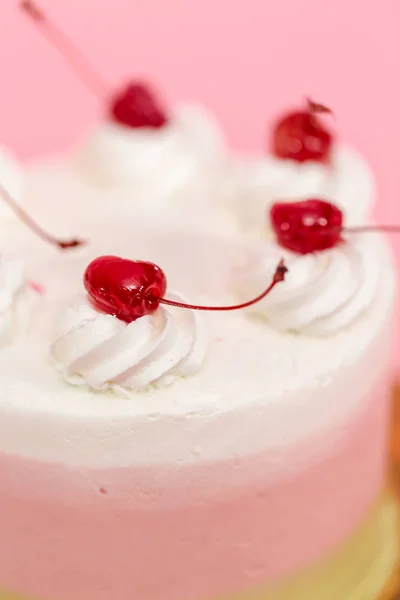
(279, 276)
(33, 226)
(371, 228)
(81, 66)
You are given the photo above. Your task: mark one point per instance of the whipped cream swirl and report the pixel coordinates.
(106, 353)
(253, 185)
(323, 292)
(183, 157)
(16, 301)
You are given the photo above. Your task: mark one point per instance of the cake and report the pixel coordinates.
(192, 412)
(176, 454)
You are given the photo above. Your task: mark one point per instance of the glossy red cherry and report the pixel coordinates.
(301, 135)
(307, 226)
(137, 106)
(125, 288)
(313, 225)
(33, 226)
(130, 289)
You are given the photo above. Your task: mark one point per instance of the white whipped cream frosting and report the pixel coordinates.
(106, 353)
(183, 157)
(255, 184)
(323, 292)
(11, 178)
(16, 301)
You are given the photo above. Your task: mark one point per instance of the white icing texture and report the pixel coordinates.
(255, 184)
(106, 353)
(16, 301)
(323, 292)
(236, 405)
(183, 158)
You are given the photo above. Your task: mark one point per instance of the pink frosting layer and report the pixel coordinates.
(69, 534)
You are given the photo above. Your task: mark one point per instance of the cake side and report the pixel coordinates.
(258, 525)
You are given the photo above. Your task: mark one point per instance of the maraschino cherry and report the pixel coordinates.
(27, 219)
(313, 225)
(302, 136)
(135, 106)
(130, 289)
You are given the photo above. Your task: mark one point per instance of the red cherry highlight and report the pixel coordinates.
(137, 106)
(301, 135)
(131, 289)
(59, 40)
(33, 226)
(313, 225)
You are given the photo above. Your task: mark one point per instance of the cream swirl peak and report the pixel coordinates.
(16, 297)
(323, 292)
(257, 183)
(180, 157)
(106, 353)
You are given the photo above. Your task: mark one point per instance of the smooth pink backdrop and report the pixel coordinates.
(245, 59)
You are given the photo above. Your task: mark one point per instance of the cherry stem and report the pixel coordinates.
(82, 67)
(25, 218)
(314, 108)
(278, 276)
(373, 228)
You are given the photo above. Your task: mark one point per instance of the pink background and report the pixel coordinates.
(245, 59)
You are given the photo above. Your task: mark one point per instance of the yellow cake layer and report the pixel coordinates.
(363, 569)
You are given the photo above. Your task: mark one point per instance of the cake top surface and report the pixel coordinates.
(251, 372)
